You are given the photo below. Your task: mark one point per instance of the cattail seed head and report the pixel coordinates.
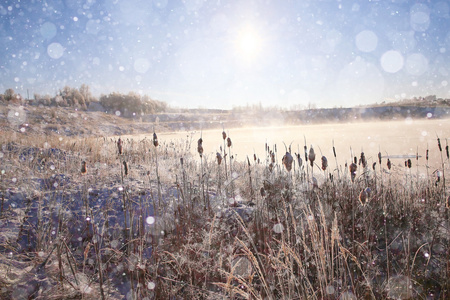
(363, 160)
(272, 157)
(229, 142)
(219, 158)
(306, 153)
(409, 163)
(224, 135)
(200, 147)
(254, 157)
(379, 158)
(324, 163)
(83, 167)
(299, 160)
(181, 161)
(263, 192)
(446, 150)
(119, 146)
(353, 167)
(287, 161)
(125, 168)
(373, 165)
(427, 155)
(311, 156)
(389, 165)
(363, 197)
(334, 152)
(155, 140)
(439, 144)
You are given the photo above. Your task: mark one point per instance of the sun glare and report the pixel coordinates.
(249, 43)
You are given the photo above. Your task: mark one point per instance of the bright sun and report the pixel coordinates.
(248, 43)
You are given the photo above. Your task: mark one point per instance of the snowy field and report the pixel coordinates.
(151, 218)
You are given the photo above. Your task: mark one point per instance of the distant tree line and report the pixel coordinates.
(129, 105)
(132, 104)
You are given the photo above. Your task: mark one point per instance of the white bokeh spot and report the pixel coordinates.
(392, 61)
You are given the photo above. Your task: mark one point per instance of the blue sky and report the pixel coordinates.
(220, 54)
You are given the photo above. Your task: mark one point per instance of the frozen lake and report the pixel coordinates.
(391, 138)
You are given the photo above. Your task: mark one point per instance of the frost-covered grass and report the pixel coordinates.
(163, 223)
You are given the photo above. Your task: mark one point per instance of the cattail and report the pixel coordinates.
(355, 160)
(409, 163)
(439, 144)
(83, 167)
(446, 150)
(125, 168)
(254, 157)
(379, 158)
(324, 163)
(181, 161)
(155, 140)
(263, 192)
(287, 161)
(119, 146)
(311, 156)
(389, 165)
(248, 161)
(306, 153)
(229, 142)
(363, 197)
(315, 184)
(272, 157)
(200, 147)
(334, 151)
(224, 135)
(299, 160)
(438, 177)
(353, 167)
(373, 165)
(362, 160)
(219, 158)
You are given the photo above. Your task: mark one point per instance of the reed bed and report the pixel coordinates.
(120, 218)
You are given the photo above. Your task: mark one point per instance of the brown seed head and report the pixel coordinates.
(219, 158)
(200, 147)
(363, 160)
(389, 165)
(363, 197)
(224, 135)
(119, 146)
(311, 156)
(324, 163)
(125, 168)
(287, 161)
(155, 140)
(83, 167)
(229, 142)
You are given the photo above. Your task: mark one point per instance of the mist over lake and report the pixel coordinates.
(398, 140)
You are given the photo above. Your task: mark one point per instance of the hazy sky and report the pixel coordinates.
(223, 53)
